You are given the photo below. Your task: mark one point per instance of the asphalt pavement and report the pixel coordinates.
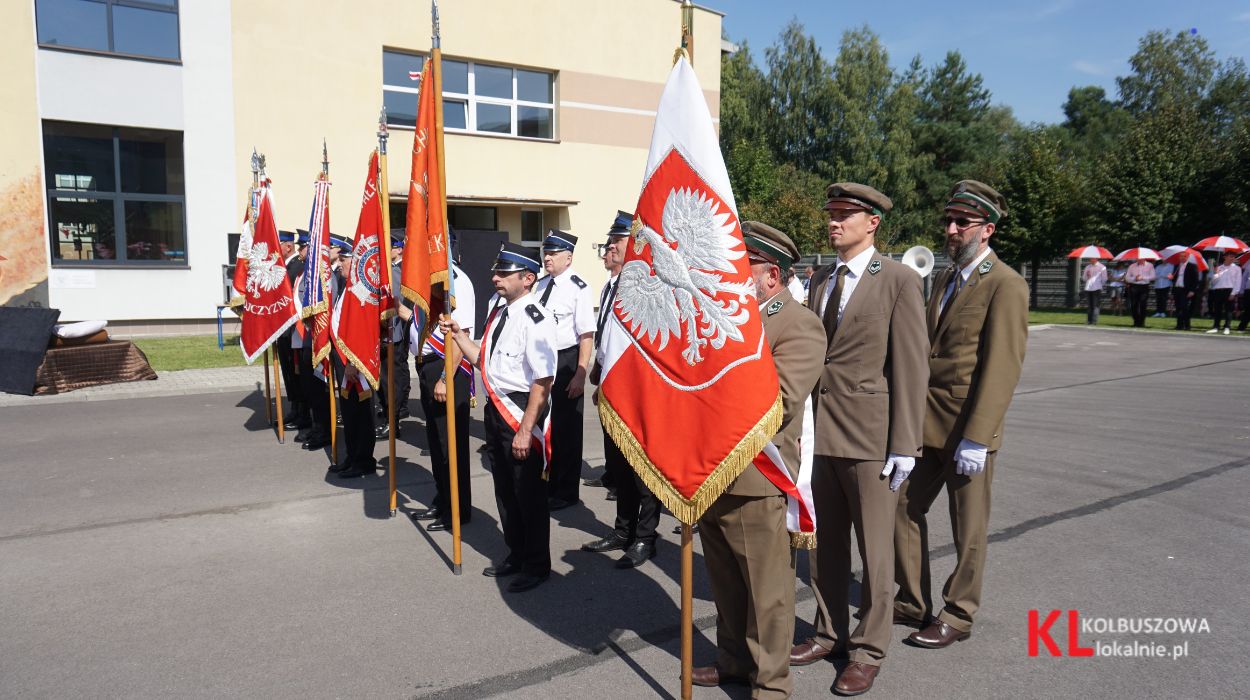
(168, 546)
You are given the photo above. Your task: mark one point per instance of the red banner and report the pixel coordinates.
(316, 295)
(358, 311)
(269, 306)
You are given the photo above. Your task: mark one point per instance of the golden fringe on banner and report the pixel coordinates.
(730, 468)
(803, 540)
(360, 366)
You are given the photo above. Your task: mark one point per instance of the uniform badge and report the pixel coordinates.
(774, 307)
(535, 315)
(985, 266)
(578, 281)
(874, 267)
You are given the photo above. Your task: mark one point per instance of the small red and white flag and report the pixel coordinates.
(689, 390)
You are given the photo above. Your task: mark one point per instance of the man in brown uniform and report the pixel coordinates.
(978, 326)
(869, 410)
(745, 542)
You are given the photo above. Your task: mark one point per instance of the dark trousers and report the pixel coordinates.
(1094, 300)
(429, 370)
(1184, 307)
(317, 395)
(1161, 300)
(1245, 311)
(1221, 307)
(358, 428)
(403, 378)
(291, 387)
(637, 509)
(1138, 298)
(520, 495)
(566, 431)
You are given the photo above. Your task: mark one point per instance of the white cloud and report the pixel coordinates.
(1243, 17)
(1053, 8)
(1090, 68)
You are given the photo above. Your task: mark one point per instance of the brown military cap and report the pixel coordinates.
(852, 195)
(768, 243)
(978, 199)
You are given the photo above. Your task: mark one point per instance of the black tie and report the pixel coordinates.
(551, 284)
(605, 307)
(494, 337)
(835, 300)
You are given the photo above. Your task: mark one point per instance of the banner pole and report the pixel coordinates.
(277, 396)
(687, 611)
(385, 198)
(268, 393)
(334, 413)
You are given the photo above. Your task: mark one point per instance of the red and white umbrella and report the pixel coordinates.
(1176, 254)
(1137, 254)
(1222, 243)
(1091, 251)
(1244, 258)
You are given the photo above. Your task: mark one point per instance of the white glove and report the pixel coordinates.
(900, 466)
(970, 458)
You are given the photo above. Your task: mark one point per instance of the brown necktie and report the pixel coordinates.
(835, 300)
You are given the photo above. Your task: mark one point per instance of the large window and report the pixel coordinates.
(470, 218)
(477, 97)
(115, 195)
(146, 28)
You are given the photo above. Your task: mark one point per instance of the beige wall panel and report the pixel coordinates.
(606, 128)
(23, 240)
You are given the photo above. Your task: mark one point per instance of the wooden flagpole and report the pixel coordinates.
(384, 195)
(449, 367)
(268, 393)
(334, 409)
(687, 534)
(257, 160)
(277, 396)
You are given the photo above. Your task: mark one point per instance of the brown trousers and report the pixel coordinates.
(853, 493)
(749, 562)
(969, 501)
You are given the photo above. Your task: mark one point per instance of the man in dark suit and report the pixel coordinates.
(869, 411)
(1185, 285)
(978, 327)
(299, 418)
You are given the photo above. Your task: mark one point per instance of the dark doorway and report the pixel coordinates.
(478, 250)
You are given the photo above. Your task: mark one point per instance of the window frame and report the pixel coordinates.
(118, 198)
(542, 224)
(471, 99)
(176, 11)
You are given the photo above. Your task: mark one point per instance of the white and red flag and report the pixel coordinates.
(268, 305)
(356, 324)
(315, 287)
(689, 389)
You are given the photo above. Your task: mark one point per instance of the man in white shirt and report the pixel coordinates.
(433, 379)
(572, 305)
(1139, 276)
(517, 359)
(1095, 276)
(1225, 283)
(1163, 288)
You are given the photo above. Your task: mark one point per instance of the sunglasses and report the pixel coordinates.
(962, 222)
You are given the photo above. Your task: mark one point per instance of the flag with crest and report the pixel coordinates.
(315, 286)
(268, 304)
(366, 298)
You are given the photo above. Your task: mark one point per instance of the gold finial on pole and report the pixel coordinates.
(687, 29)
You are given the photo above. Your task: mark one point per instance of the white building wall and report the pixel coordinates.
(195, 98)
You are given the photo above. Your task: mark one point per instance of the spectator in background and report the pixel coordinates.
(1163, 288)
(1225, 282)
(1245, 296)
(1139, 276)
(1186, 281)
(1115, 284)
(1094, 276)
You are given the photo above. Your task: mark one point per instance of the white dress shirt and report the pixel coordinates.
(605, 310)
(572, 305)
(855, 269)
(1227, 277)
(465, 313)
(796, 289)
(1095, 277)
(1140, 272)
(525, 350)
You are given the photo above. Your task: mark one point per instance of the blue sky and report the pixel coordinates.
(1030, 53)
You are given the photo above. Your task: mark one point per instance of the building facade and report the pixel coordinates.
(127, 137)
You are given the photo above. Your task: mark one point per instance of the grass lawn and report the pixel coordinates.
(190, 352)
(1076, 317)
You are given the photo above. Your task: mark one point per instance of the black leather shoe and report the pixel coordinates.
(596, 482)
(526, 582)
(500, 570)
(611, 495)
(431, 513)
(438, 526)
(316, 443)
(302, 435)
(610, 543)
(338, 468)
(637, 553)
(694, 529)
(291, 424)
(383, 431)
(357, 472)
(554, 504)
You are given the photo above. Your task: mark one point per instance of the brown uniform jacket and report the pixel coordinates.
(870, 400)
(796, 339)
(978, 350)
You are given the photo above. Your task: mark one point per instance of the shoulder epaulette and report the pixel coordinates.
(535, 315)
(578, 281)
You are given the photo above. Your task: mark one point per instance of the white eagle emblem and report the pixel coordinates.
(681, 292)
(264, 274)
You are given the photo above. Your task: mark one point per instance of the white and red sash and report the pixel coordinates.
(436, 343)
(507, 408)
(800, 513)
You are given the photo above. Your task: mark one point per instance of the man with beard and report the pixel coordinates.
(978, 326)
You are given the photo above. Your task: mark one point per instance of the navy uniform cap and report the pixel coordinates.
(621, 224)
(559, 240)
(397, 237)
(343, 243)
(514, 257)
(303, 237)
(286, 236)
